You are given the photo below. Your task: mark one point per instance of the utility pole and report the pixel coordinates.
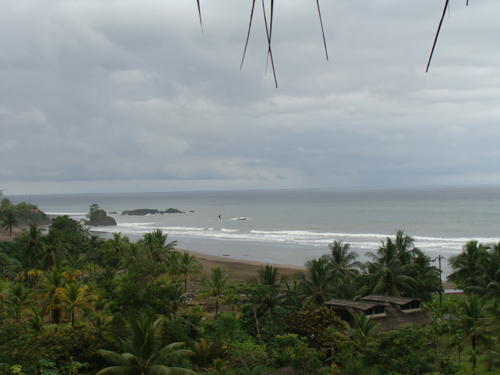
(439, 257)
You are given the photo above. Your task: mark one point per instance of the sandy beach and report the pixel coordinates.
(240, 269)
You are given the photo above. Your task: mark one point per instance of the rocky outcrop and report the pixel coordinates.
(101, 219)
(141, 212)
(147, 211)
(173, 211)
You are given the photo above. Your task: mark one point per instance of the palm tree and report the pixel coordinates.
(468, 264)
(387, 274)
(272, 287)
(133, 253)
(153, 246)
(363, 330)
(496, 249)
(75, 296)
(100, 320)
(35, 323)
(475, 322)
(292, 298)
(186, 265)
(19, 298)
(347, 287)
(317, 285)
(30, 243)
(53, 249)
(203, 350)
(342, 259)
(47, 289)
(425, 275)
(405, 246)
(156, 246)
(176, 298)
(215, 286)
(141, 354)
(115, 247)
(8, 221)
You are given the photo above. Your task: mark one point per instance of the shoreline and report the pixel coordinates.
(240, 269)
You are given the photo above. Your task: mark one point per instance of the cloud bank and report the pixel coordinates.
(130, 96)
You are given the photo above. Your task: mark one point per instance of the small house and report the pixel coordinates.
(390, 312)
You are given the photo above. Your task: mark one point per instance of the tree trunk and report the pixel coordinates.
(256, 320)
(474, 359)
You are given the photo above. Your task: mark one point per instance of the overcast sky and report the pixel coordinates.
(131, 96)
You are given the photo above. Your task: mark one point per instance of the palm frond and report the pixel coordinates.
(171, 354)
(113, 357)
(118, 370)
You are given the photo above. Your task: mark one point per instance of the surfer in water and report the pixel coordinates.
(220, 217)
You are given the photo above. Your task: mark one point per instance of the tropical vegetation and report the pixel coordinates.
(73, 303)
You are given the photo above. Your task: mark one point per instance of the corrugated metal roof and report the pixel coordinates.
(393, 316)
(390, 299)
(360, 305)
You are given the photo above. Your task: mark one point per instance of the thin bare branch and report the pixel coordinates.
(437, 35)
(199, 13)
(268, 33)
(248, 35)
(322, 30)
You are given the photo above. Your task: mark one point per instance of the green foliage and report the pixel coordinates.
(24, 212)
(317, 285)
(8, 220)
(247, 354)
(93, 211)
(72, 233)
(185, 265)
(312, 322)
(141, 351)
(469, 264)
(184, 327)
(402, 351)
(8, 266)
(17, 298)
(138, 290)
(63, 351)
(223, 331)
(289, 350)
(215, 286)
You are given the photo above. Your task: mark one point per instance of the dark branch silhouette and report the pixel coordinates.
(269, 30)
(437, 34)
(322, 30)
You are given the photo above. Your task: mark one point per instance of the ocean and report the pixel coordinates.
(293, 226)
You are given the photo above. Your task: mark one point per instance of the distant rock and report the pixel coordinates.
(101, 219)
(113, 213)
(147, 211)
(173, 211)
(140, 212)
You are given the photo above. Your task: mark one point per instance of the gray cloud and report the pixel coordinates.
(95, 93)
